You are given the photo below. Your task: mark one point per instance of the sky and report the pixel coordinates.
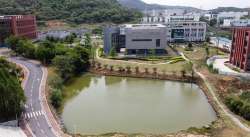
(203, 4)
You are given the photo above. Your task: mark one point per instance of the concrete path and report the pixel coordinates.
(11, 132)
(220, 65)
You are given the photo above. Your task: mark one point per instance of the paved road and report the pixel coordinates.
(34, 113)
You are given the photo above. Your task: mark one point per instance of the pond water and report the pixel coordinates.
(130, 105)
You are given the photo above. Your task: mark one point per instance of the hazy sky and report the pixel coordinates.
(204, 4)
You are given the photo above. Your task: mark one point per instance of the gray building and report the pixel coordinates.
(136, 38)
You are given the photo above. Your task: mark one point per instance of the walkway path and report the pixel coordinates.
(220, 105)
(11, 132)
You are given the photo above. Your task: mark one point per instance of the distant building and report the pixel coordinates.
(230, 15)
(240, 50)
(186, 31)
(18, 25)
(236, 23)
(168, 19)
(136, 38)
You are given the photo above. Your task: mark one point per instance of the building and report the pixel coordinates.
(188, 31)
(18, 25)
(168, 19)
(240, 50)
(136, 38)
(230, 15)
(236, 23)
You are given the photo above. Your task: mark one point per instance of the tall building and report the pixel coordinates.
(240, 51)
(136, 38)
(18, 25)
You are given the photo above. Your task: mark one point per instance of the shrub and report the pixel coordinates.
(56, 98)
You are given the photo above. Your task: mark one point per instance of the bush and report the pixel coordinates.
(56, 98)
(239, 105)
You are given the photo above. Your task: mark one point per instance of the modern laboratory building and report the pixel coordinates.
(136, 38)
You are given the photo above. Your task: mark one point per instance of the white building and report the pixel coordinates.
(236, 23)
(186, 31)
(230, 15)
(167, 19)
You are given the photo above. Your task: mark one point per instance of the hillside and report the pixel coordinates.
(77, 11)
(227, 9)
(140, 5)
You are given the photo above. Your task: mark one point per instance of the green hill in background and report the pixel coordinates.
(77, 11)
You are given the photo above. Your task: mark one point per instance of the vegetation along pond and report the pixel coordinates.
(130, 105)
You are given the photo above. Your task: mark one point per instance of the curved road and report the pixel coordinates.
(34, 115)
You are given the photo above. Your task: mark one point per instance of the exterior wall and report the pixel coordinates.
(145, 38)
(240, 52)
(110, 36)
(18, 25)
(192, 31)
(5, 29)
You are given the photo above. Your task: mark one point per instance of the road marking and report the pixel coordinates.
(33, 114)
(42, 131)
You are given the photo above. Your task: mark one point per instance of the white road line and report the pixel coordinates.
(28, 115)
(37, 113)
(42, 131)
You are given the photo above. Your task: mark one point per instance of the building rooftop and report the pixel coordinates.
(144, 26)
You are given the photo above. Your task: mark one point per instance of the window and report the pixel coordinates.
(142, 40)
(158, 42)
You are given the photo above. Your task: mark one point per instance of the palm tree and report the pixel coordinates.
(111, 68)
(99, 65)
(105, 66)
(155, 70)
(146, 70)
(137, 70)
(128, 69)
(120, 69)
(183, 73)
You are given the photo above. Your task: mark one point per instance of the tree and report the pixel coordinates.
(64, 65)
(207, 51)
(56, 98)
(213, 22)
(87, 41)
(80, 58)
(208, 39)
(190, 45)
(113, 52)
(46, 52)
(12, 97)
(12, 42)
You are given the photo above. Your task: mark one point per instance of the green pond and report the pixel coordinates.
(103, 104)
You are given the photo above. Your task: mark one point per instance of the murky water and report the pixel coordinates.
(129, 105)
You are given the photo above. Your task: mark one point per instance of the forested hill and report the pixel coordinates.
(78, 11)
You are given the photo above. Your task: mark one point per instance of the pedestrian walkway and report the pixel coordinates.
(33, 114)
(11, 132)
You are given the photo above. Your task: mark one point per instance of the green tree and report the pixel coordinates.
(46, 52)
(213, 22)
(56, 98)
(12, 42)
(12, 96)
(64, 65)
(112, 52)
(87, 41)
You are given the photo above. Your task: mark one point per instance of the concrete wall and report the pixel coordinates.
(150, 34)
